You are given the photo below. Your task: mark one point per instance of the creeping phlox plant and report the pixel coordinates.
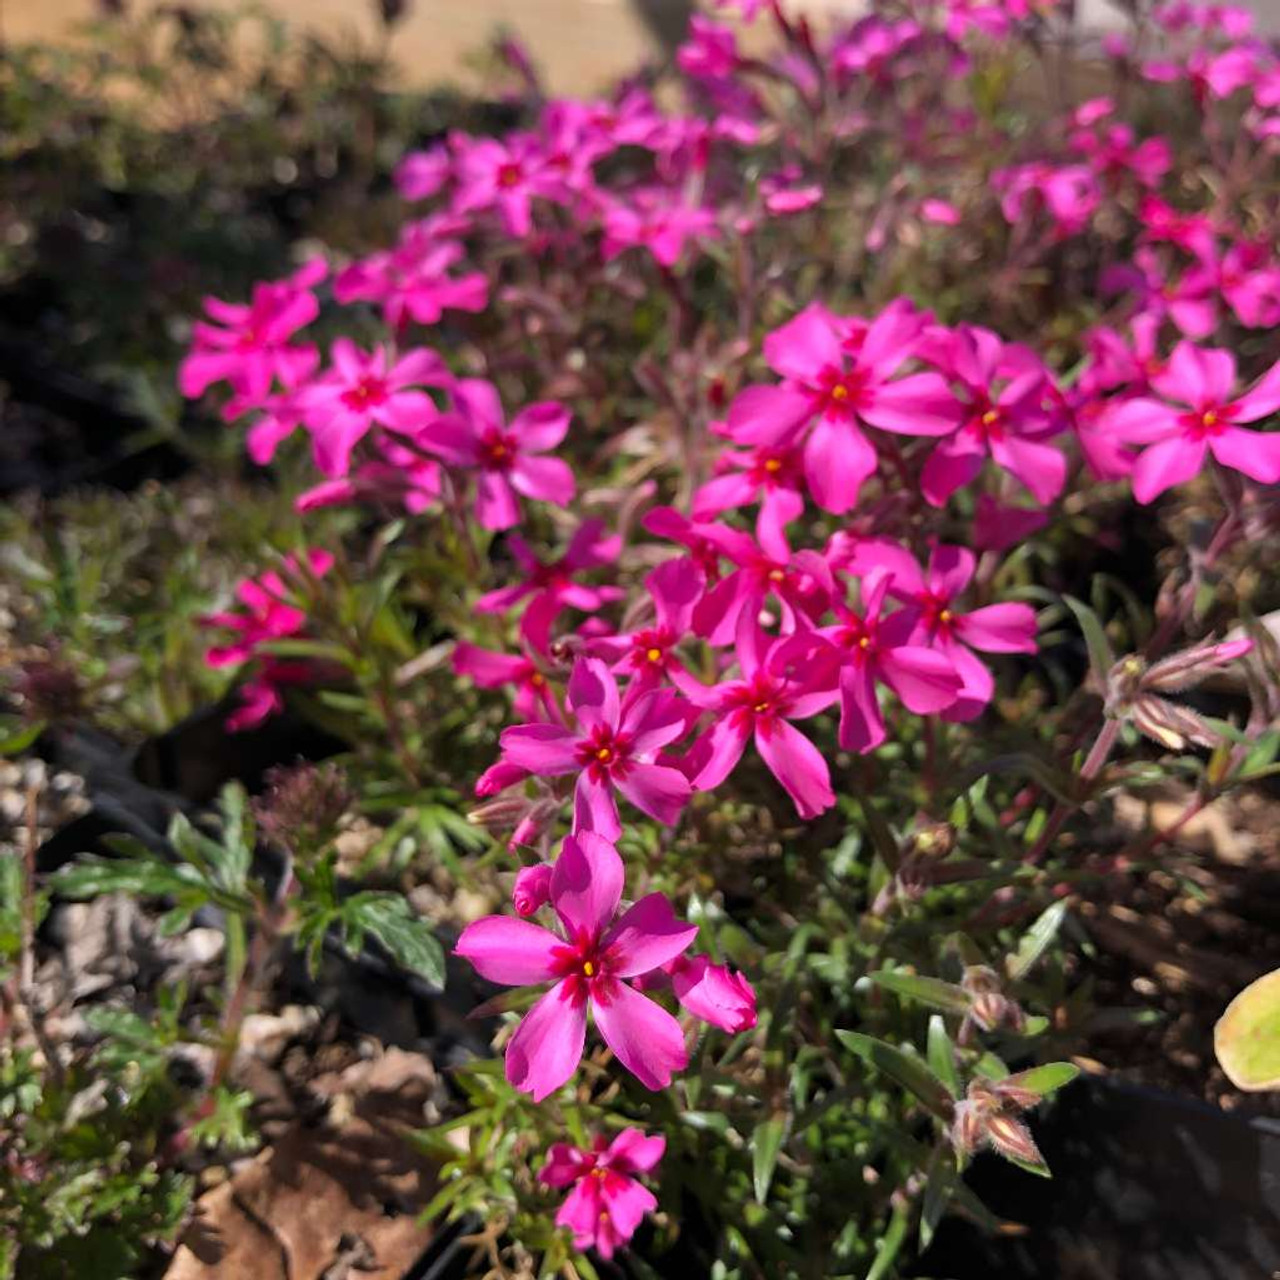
(755, 440)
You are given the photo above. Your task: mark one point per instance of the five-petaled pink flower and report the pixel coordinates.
(364, 389)
(606, 1204)
(781, 680)
(1204, 419)
(937, 621)
(476, 436)
(588, 967)
(876, 648)
(251, 348)
(835, 378)
(614, 745)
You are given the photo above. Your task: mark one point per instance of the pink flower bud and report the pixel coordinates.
(714, 993)
(532, 888)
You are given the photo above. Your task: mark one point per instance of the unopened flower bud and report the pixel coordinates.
(1012, 1138)
(1187, 669)
(532, 888)
(714, 993)
(498, 777)
(968, 1130)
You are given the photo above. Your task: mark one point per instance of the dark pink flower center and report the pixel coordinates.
(1202, 424)
(585, 967)
(988, 421)
(497, 450)
(649, 648)
(368, 392)
(509, 174)
(762, 698)
(604, 753)
(859, 637)
(771, 468)
(938, 616)
(841, 394)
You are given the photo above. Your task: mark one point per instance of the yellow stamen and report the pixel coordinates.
(588, 968)
(604, 755)
(864, 642)
(945, 616)
(773, 466)
(654, 655)
(990, 418)
(776, 575)
(839, 392)
(760, 708)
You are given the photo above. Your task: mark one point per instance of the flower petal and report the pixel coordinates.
(547, 1046)
(647, 935)
(655, 789)
(515, 953)
(644, 1037)
(586, 883)
(797, 764)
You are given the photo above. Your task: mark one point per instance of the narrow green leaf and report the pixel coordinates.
(907, 1069)
(937, 1195)
(931, 991)
(890, 1245)
(1036, 940)
(16, 740)
(1101, 656)
(1046, 1079)
(766, 1142)
(942, 1058)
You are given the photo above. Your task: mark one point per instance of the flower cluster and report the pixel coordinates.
(818, 505)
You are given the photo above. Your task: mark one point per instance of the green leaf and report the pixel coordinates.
(1046, 1079)
(942, 1058)
(390, 919)
(906, 1069)
(1247, 1037)
(890, 1245)
(766, 1142)
(937, 1195)
(931, 991)
(15, 740)
(1036, 940)
(1101, 657)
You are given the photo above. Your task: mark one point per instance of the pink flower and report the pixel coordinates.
(647, 654)
(710, 50)
(833, 381)
(1187, 301)
(714, 993)
(656, 220)
(801, 582)
(780, 680)
(878, 649)
(533, 699)
(502, 176)
(269, 609)
(281, 414)
(770, 474)
(588, 968)
(1204, 419)
(367, 389)
(1004, 422)
(997, 526)
(614, 745)
(940, 212)
(938, 622)
(422, 173)
(550, 588)
(413, 280)
(606, 1204)
(252, 349)
(1068, 194)
(475, 435)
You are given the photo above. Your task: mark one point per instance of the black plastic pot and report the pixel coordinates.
(1146, 1186)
